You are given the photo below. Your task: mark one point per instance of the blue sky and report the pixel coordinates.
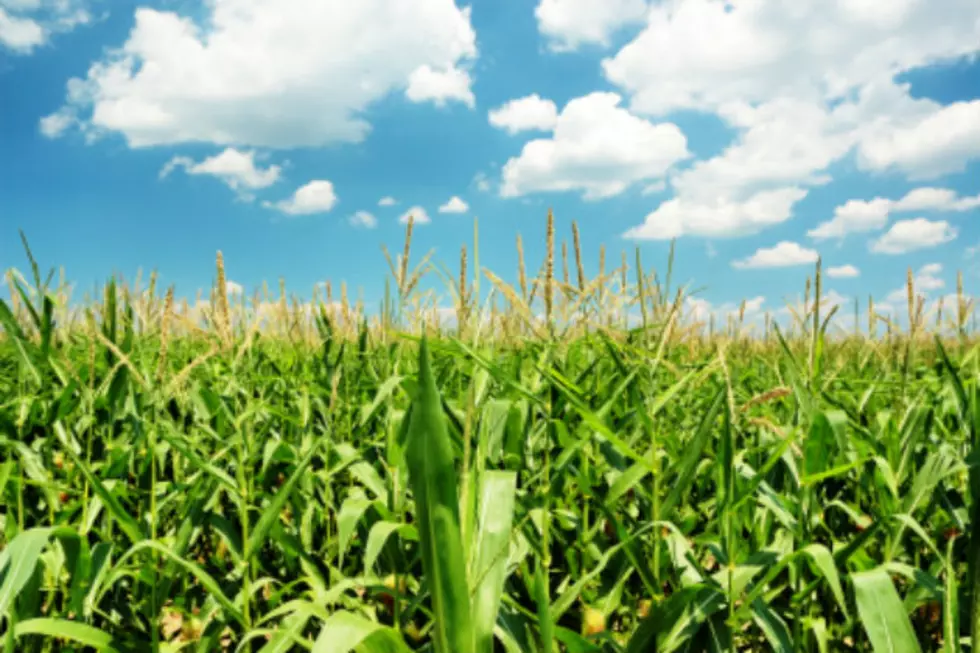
(758, 134)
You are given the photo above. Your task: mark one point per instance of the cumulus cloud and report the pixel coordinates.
(295, 73)
(765, 69)
(717, 217)
(702, 54)
(55, 124)
(852, 217)
(783, 147)
(387, 201)
(26, 25)
(843, 272)
(235, 168)
(454, 205)
(316, 196)
(417, 212)
(926, 146)
(917, 233)
(21, 35)
(440, 86)
(926, 198)
(363, 219)
(855, 216)
(783, 254)
(568, 24)
(782, 142)
(597, 148)
(531, 112)
(935, 199)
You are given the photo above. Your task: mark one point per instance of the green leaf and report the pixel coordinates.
(489, 571)
(351, 511)
(272, 511)
(951, 607)
(380, 532)
(343, 632)
(821, 442)
(432, 475)
(24, 347)
(773, 627)
(128, 525)
(692, 456)
(823, 560)
(17, 563)
(62, 629)
(882, 613)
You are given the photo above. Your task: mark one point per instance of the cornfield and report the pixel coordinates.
(560, 464)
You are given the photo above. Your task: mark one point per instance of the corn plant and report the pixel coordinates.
(283, 476)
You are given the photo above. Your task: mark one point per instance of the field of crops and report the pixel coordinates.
(564, 465)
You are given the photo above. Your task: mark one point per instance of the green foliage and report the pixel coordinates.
(606, 492)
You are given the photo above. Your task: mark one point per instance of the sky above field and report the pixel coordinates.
(297, 135)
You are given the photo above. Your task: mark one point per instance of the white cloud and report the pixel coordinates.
(784, 146)
(421, 217)
(936, 199)
(719, 217)
(927, 146)
(55, 124)
(233, 288)
(26, 25)
(21, 35)
(917, 233)
(598, 148)
(783, 254)
(925, 198)
(440, 86)
(702, 54)
(234, 167)
(754, 305)
(523, 114)
(316, 196)
(569, 24)
(843, 272)
(783, 142)
(294, 73)
(454, 205)
(854, 216)
(363, 219)
(803, 84)
(387, 201)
